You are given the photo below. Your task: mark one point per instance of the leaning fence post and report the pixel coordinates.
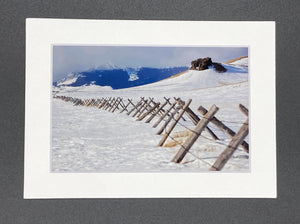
(171, 116)
(234, 143)
(195, 119)
(148, 112)
(137, 104)
(230, 133)
(156, 112)
(195, 135)
(103, 103)
(164, 115)
(164, 138)
(139, 108)
(116, 104)
(145, 107)
(243, 109)
(125, 108)
(113, 103)
(108, 103)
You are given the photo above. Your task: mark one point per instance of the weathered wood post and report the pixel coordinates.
(103, 103)
(96, 103)
(156, 112)
(125, 108)
(113, 103)
(195, 134)
(145, 107)
(76, 102)
(195, 119)
(92, 101)
(116, 105)
(110, 102)
(164, 115)
(171, 116)
(107, 103)
(164, 138)
(100, 102)
(230, 133)
(80, 102)
(148, 112)
(139, 108)
(244, 109)
(179, 101)
(234, 143)
(138, 104)
(122, 104)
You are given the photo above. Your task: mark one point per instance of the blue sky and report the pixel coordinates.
(68, 59)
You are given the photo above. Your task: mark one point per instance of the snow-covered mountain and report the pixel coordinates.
(119, 78)
(68, 80)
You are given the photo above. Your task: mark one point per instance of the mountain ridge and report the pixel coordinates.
(119, 78)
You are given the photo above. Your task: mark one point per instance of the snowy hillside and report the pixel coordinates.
(242, 62)
(89, 139)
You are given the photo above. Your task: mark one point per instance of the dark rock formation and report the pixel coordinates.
(219, 67)
(201, 64)
(204, 63)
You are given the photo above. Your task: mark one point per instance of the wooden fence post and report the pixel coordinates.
(234, 143)
(164, 115)
(122, 103)
(139, 108)
(171, 116)
(180, 102)
(244, 109)
(96, 103)
(148, 112)
(117, 104)
(230, 133)
(195, 135)
(107, 103)
(113, 103)
(195, 119)
(145, 107)
(103, 103)
(164, 138)
(125, 108)
(156, 112)
(138, 104)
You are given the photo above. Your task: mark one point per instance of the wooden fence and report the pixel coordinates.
(172, 112)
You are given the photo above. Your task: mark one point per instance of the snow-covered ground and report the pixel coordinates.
(86, 139)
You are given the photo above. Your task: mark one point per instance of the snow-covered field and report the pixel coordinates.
(86, 139)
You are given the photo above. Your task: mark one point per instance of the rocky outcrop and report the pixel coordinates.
(201, 63)
(204, 63)
(219, 67)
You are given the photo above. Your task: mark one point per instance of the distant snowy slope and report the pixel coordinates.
(69, 80)
(193, 79)
(241, 62)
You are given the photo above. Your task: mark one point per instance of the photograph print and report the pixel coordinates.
(149, 109)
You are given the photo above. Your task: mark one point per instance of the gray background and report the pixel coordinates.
(13, 209)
